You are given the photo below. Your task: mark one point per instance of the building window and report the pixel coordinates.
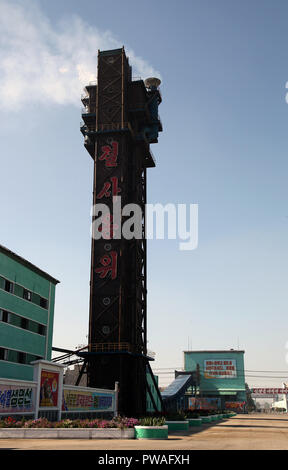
(3, 316)
(14, 320)
(41, 329)
(22, 358)
(11, 355)
(21, 322)
(27, 295)
(18, 357)
(24, 323)
(9, 286)
(43, 303)
(18, 290)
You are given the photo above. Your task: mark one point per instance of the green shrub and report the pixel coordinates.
(152, 421)
(191, 414)
(177, 416)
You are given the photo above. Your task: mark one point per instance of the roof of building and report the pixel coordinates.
(178, 386)
(216, 351)
(26, 263)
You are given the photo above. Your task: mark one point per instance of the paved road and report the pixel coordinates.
(253, 432)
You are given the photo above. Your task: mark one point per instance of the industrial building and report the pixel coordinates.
(221, 378)
(120, 121)
(27, 296)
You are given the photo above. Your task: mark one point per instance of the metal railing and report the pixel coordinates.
(111, 347)
(87, 110)
(84, 96)
(151, 353)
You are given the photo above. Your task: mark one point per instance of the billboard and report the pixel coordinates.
(79, 400)
(220, 369)
(15, 399)
(49, 385)
(204, 403)
(269, 391)
(235, 405)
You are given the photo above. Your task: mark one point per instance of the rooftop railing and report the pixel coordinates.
(111, 347)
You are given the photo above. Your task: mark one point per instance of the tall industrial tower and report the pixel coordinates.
(120, 121)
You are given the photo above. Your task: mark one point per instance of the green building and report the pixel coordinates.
(27, 296)
(149, 404)
(220, 375)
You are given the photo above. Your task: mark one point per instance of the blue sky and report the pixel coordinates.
(224, 67)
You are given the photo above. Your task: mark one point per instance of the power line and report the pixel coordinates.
(238, 375)
(245, 370)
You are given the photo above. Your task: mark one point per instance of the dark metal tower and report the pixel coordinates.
(120, 121)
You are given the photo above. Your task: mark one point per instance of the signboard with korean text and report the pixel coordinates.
(204, 403)
(235, 405)
(49, 385)
(269, 391)
(220, 369)
(74, 400)
(47, 392)
(17, 399)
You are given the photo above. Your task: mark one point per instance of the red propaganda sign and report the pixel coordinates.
(49, 385)
(220, 369)
(269, 391)
(235, 405)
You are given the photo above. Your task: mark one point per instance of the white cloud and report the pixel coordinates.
(44, 63)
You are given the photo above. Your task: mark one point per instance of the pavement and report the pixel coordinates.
(243, 432)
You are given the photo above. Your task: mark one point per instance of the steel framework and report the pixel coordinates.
(120, 121)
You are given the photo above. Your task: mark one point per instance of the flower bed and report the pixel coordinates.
(117, 422)
(116, 428)
(151, 428)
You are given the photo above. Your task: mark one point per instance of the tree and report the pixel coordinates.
(250, 402)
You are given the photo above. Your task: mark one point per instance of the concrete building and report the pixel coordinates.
(27, 296)
(221, 377)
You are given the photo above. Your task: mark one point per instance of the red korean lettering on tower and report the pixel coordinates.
(108, 265)
(110, 154)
